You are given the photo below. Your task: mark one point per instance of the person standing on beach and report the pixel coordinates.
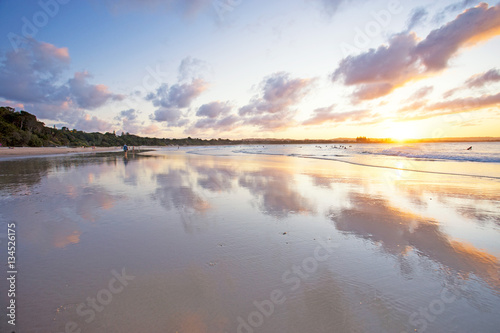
(125, 149)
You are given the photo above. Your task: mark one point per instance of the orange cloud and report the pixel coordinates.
(378, 72)
(421, 110)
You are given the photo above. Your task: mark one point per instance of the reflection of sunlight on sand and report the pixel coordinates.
(400, 173)
(395, 230)
(461, 209)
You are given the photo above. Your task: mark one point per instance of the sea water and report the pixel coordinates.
(483, 159)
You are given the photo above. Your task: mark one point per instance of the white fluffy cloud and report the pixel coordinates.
(274, 106)
(172, 101)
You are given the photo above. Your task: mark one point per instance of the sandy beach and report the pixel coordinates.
(177, 241)
(40, 151)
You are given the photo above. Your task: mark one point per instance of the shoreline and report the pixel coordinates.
(42, 151)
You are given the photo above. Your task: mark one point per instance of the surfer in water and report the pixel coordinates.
(470, 148)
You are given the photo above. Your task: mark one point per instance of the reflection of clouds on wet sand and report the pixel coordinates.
(275, 193)
(175, 191)
(216, 179)
(57, 218)
(482, 215)
(65, 240)
(473, 204)
(274, 188)
(52, 232)
(186, 187)
(478, 204)
(56, 211)
(398, 232)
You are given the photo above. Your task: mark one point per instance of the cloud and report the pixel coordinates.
(129, 122)
(450, 92)
(372, 91)
(421, 93)
(326, 114)
(216, 117)
(479, 80)
(170, 101)
(31, 74)
(223, 124)
(424, 111)
(276, 121)
(273, 108)
(63, 111)
(130, 115)
(12, 104)
(472, 26)
(214, 109)
(34, 77)
(178, 95)
(467, 104)
(192, 68)
(413, 106)
(453, 8)
(476, 81)
(90, 96)
(330, 7)
(378, 72)
(90, 123)
(418, 15)
(130, 126)
(151, 129)
(172, 116)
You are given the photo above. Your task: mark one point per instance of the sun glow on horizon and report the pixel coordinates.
(403, 131)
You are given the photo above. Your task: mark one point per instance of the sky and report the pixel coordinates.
(299, 69)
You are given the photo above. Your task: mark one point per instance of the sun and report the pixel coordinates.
(403, 131)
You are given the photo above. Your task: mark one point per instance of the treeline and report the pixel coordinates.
(19, 129)
(364, 139)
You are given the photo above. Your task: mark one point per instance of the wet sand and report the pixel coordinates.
(176, 242)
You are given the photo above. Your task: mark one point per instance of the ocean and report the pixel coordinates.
(482, 160)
